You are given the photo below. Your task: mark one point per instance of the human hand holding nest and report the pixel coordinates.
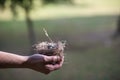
(49, 57)
(43, 63)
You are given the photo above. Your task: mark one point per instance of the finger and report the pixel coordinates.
(62, 60)
(52, 59)
(53, 67)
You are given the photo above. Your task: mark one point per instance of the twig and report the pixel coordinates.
(45, 31)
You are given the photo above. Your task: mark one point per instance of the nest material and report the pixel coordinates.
(50, 48)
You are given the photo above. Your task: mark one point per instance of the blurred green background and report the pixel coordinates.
(88, 26)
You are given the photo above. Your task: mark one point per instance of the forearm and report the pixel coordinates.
(9, 60)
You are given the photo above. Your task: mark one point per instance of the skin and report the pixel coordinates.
(41, 63)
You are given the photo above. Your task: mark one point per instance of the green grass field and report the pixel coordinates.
(86, 58)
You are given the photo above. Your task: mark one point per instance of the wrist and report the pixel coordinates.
(24, 63)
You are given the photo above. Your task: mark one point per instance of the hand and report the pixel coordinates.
(43, 63)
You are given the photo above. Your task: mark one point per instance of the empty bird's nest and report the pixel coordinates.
(50, 48)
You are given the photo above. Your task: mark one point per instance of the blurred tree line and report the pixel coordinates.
(28, 5)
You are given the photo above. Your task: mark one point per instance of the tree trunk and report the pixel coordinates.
(117, 33)
(31, 33)
(118, 26)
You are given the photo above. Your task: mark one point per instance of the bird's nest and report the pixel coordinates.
(50, 48)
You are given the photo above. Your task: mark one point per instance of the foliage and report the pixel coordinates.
(25, 4)
(56, 1)
(2, 3)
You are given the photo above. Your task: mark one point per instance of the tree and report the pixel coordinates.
(117, 32)
(118, 26)
(26, 5)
